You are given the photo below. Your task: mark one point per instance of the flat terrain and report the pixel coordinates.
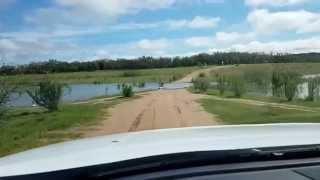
(155, 110)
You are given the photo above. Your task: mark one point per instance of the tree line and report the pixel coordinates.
(218, 58)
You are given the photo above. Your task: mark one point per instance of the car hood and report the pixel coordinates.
(116, 148)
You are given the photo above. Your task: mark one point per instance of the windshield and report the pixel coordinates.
(82, 69)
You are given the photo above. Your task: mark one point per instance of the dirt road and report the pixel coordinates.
(155, 110)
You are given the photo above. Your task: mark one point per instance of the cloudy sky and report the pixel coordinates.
(37, 30)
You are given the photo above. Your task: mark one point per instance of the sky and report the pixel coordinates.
(69, 30)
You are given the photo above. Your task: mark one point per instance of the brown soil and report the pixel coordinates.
(155, 110)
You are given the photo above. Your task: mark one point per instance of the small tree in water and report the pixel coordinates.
(291, 83)
(48, 94)
(222, 83)
(201, 84)
(238, 86)
(313, 89)
(5, 90)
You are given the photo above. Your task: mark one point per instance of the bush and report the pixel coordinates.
(222, 83)
(238, 86)
(202, 75)
(127, 90)
(313, 89)
(48, 94)
(5, 90)
(277, 81)
(201, 84)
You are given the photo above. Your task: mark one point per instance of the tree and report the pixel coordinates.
(222, 83)
(238, 86)
(277, 82)
(48, 94)
(5, 91)
(291, 83)
(313, 88)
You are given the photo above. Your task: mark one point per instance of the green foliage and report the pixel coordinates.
(237, 85)
(5, 90)
(285, 82)
(222, 83)
(201, 84)
(277, 81)
(231, 112)
(48, 94)
(291, 83)
(141, 84)
(130, 74)
(27, 128)
(313, 89)
(127, 90)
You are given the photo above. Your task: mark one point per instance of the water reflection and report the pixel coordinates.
(82, 92)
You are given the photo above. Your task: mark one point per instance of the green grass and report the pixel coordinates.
(239, 113)
(28, 128)
(303, 68)
(109, 76)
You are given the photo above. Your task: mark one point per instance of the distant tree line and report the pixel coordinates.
(218, 58)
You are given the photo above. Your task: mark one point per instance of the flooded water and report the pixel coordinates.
(82, 92)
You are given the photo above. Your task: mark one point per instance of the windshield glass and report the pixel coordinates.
(81, 69)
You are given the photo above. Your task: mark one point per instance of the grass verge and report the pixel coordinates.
(29, 128)
(240, 113)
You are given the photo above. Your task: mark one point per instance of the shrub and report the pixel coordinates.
(48, 94)
(291, 83)
(142, 84)
(222, 83)
(127, 90)
(238, 86)
(201, 84)
(277, 81)
(313, 88)
(202, 75)
(5, 90)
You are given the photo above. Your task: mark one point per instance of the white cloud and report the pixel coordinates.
(153, 45)
(300, 21)
(233, 37)
(197, 22)
(258, 3)
(23, 51)
(290, 46)
(201, 41)
(220, 39)
(88, 12)
(114, 7)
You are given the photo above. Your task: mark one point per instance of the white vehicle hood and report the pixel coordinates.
(116, 148)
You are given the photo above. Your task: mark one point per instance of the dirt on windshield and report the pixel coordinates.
(155, 110)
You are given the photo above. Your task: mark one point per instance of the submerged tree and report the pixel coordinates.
(222, 83)
(201, 84)
(291, 81)
(5, 90)
(238, 86)
(48, 94)
(313, 88)
(277, 82)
